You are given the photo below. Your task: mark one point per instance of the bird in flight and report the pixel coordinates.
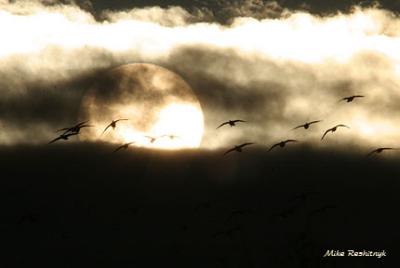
(281, 144)
(238, 148)
(76, 128)
(232, 123)
(333, 129)
(171, 136)
(380, 150)
(307, 124)
(123, 146)
(152, 139)
(64, 136)
(351, 98)
(113, 124)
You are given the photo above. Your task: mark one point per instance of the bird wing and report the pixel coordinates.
(56, 139)
(238, 120)
(64, 129)
(286, 141)
(273, 146)
(122, 119)
(222, 125)
(358, 96)
(119, 148)
(300, 126)
(106, 128)
(343, 99)
(230, 150)
(341, 125)
(70, 134)
(372, 152)
(245, 144)
(326, 132)
(81, 123)
(314, 122)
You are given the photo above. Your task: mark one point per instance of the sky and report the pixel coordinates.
(274, 64)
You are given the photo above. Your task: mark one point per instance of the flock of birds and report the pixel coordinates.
(75, 130)
(239, 148)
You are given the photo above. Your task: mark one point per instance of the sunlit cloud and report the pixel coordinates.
(295, 65)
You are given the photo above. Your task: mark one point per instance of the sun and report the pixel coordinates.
(161, 109)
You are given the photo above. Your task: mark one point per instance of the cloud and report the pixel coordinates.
(275, 70)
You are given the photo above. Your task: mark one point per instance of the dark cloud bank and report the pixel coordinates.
(73, 205)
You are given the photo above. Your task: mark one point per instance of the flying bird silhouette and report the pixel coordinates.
(281, 144)
(152, 139)
(380, 150)
(307, 124)
(238, 148)
(171, 136)
(113, 124)
(76, 128)
(351, 98)
(64, 136)
(333, 129)
(123, 146)
(231, 123)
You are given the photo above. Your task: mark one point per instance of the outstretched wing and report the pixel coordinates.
(341, 125)
(273, 146)
(56, 139)
(286, 141)
(238, 120)
(122, 119)
(230, 150)
(326, 132)
(223, 124)
(119, 148)
(372, 152)
(358, 96)
(314, 122)
(106, 128)
(300, 126)
(245, 144)
(343, 99)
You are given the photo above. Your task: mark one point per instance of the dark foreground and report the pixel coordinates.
(72, 205)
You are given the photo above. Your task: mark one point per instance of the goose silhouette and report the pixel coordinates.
(351, 98)
(238, 148)
(232, 123)
(152, 139)
(307, 124)
(333, 129)
(123, 146)
(64, 136)
(76, 128)
(113, 124)
(281, 144)
(380, 150)
(171, 136)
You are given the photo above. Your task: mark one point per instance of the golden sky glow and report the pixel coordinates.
(314, 60)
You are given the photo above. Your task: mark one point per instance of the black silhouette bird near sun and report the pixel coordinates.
(281, 144)
(333, 129)
(231, 123)
(238, 148)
